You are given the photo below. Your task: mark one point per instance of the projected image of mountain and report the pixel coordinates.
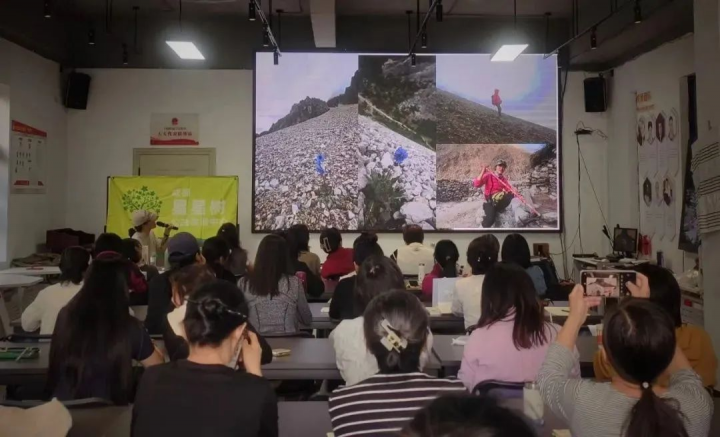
(484, 102)
(394, 93)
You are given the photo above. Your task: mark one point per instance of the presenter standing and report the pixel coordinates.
(143, 224)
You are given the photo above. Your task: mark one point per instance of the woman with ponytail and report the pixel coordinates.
(639, 341)
(515, 249)
(377, 275)
(204, 394)
(512, 337)
(482, 253)
(446, 257)
(396, 332)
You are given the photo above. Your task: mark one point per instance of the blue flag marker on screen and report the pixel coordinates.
(320, 164)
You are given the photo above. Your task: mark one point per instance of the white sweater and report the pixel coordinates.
(43, 312)
(410, 256)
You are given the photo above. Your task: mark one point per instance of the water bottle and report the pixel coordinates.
(533, 407)
(421, 272)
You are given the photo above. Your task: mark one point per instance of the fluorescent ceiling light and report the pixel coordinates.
(508, 52)
(186, 50)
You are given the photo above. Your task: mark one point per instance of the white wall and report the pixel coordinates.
(659, 71)
(34, 90)
(117, 120)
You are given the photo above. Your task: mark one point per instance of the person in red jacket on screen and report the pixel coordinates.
(497, 102)
(497, 195)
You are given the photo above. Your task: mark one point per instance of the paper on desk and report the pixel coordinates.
(558, 311)
(445, 307)
(433, 311)
(325, 309)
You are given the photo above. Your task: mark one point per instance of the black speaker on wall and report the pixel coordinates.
(76, 91)
(595, 94)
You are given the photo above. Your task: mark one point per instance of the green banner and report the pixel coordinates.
(198, 205)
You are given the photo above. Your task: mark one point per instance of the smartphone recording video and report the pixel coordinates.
(607, 283)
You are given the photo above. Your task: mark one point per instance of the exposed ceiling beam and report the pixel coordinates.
(322, 15)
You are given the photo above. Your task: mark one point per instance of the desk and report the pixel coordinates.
(303, 418)
(21, 372)
(32, 271)
(444, 322)
(310, 358)
(10, 282)
(450, 355)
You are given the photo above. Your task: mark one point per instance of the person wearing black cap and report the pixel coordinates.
(497, 193)
(183, 250)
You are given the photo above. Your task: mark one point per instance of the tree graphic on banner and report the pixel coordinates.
(144, 198)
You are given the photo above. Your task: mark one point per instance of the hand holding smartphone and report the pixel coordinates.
(607, 283)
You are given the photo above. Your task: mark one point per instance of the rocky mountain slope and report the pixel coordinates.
(288, 187)
(461, 121)
(304, 110)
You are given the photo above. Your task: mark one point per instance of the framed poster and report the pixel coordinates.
(174, 130)
(27, 146)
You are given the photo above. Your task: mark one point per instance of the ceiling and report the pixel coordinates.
(220, 28)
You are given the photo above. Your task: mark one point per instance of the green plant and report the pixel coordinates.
(144, 198)
(382, 198)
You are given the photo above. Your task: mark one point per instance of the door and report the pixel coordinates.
(174, 162)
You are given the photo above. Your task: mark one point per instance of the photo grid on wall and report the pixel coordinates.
(371, 142)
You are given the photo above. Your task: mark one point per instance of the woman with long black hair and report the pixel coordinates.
(512, 337)
(640, 343)
(237, 262)
(96, 339)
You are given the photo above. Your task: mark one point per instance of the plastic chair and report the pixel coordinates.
(501, 389)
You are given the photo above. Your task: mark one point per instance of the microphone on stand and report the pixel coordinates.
(166, 225)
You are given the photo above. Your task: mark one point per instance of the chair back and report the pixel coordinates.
(501, 389)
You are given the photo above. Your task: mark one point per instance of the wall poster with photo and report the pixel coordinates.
(372, 142)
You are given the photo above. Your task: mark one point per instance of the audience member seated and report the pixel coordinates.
(339, 261)
(467, 416)
(515, 249)
(183, 250)
(482, 253)
(109, 245)
(312, 283)
(132, 250)
(661, 287)
(639, 341)
(414, 253)
(446, 257)
(96, 339)
(274, 295)
(185, 282)
(512, 337)
(396, 330)
(377, 275)
(143, 224)
(342, 305)
(204, 395)
(237, 262)
(216, 253)
(44, 310)
(301, 236)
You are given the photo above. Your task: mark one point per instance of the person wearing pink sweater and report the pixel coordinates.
(512, 337)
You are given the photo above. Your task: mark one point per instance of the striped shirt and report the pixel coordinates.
(594, 409)
(382, 404)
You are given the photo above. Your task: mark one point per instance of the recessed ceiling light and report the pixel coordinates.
(186, 50)
(509, 52)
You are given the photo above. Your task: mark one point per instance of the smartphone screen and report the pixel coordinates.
(607, 283)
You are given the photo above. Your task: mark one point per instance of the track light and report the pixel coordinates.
(266, 37)
(251, 11)
(593, 39)
(424, 39)
(91, 37)
(413, 59)
(276, 57)
(439, 11)
(47, 9)
(125, 56)
(638, 12)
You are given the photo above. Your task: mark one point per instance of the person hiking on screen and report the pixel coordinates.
(497, 101)
(497, 195)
